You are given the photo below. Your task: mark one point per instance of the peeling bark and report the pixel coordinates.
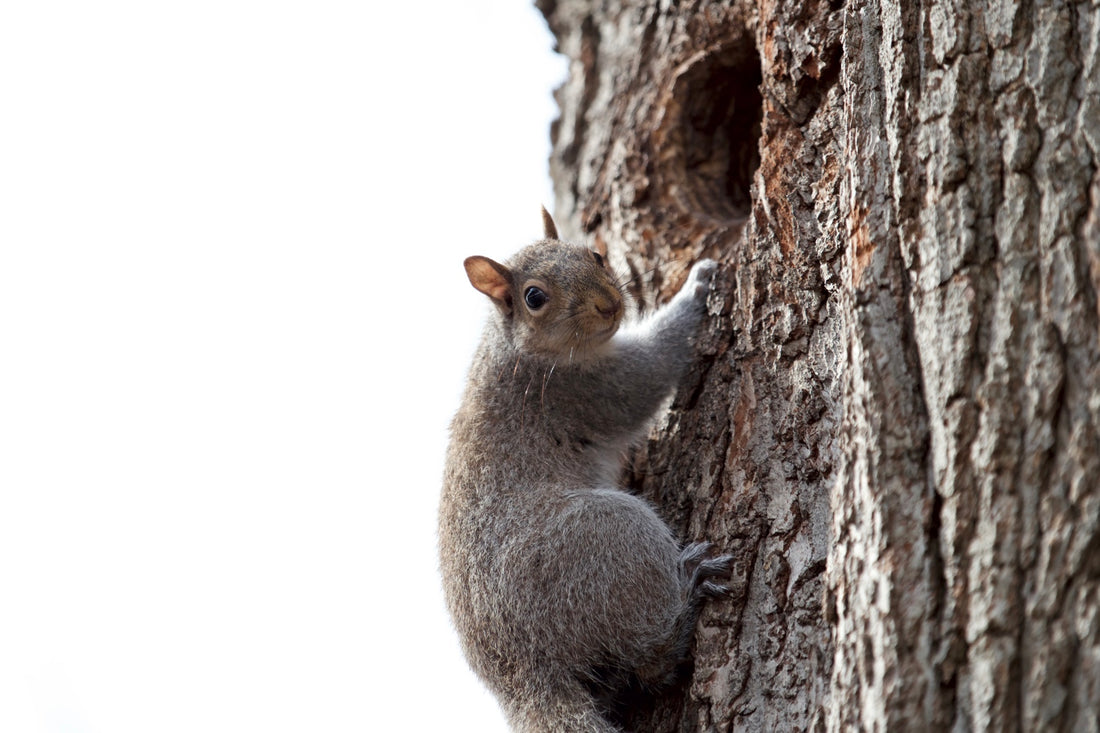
(894, 423)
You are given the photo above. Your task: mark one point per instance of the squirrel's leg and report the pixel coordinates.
(564, 707)
(651, 356)
(697, 572)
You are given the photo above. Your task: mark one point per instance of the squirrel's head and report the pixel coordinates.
(557, 300)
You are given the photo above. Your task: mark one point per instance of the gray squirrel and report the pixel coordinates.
(565, 589)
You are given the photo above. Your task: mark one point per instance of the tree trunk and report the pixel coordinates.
(894, 422)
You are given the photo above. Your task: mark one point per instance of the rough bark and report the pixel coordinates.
(895, 420)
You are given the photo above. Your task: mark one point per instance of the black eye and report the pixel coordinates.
(534, 298)
(599, 258)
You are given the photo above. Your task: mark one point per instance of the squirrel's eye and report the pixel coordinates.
(534, 298)
(599, 258)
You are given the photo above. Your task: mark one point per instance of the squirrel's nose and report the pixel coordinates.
(609, 308)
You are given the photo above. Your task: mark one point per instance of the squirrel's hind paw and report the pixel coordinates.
(710, 589)
(695, 565)
(692, 553)
(713, 567)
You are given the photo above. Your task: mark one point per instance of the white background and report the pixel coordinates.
(233, 327)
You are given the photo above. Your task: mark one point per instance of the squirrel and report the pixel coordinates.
(564, 589)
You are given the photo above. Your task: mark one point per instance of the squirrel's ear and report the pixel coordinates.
(600, 246)
(491, 278)
(548, 225)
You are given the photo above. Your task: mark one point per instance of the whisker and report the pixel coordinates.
(629, 278)
(523, 405)
(545, 379)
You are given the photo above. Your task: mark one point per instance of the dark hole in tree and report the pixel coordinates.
(721, 111)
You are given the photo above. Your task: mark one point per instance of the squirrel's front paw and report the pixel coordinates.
(698, 282)
(701, 275)
(689, 305)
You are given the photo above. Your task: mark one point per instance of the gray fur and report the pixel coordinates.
(558, 582)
